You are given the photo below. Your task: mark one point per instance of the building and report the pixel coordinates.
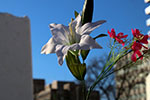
(61, 90)
(132, 83)
(147, 12)
(15, 59)
(38, 85)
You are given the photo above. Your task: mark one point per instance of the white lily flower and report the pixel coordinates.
(72, 37)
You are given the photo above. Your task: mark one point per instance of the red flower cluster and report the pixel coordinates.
(140, 37)
(117, 37)
(138, 44)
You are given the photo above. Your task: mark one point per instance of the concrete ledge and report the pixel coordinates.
(147, 1)
(148, 22)
(147, 10)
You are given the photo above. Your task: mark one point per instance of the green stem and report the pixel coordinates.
(111, 50)
(83, 89)
(106, 75)
(107, 63)
(102, 74)
(110, 67)
(125, 66)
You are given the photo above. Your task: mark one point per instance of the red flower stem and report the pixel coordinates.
(111, 50)
(102, 74)
(125, 66)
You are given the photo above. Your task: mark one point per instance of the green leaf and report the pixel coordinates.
(84, 54)
(101, 35)
(87, 11)
(87, 14)
(77, 69)
(76, 13)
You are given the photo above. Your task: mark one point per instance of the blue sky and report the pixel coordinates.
(123, 15)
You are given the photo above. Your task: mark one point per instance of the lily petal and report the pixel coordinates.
(88, 43)
(60, 32)
(62, 50)
(89, 27)
(49, 47)
(60, 54)
(77, 22)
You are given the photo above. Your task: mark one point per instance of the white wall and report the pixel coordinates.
(148, 87)
(15, 58)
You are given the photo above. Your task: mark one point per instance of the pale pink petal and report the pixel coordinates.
(59, 54)
(77, 22)
(62, 50)
(49, 47)
(88, 43)
(60, 33)
(89, 27)
(74, 47)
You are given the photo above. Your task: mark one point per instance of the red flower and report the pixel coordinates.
(140, 37)
(136, 47)
(138, 44)
(119, 36)
(112, 34)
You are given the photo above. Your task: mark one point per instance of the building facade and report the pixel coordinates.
(60, 90)
(132, 82)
